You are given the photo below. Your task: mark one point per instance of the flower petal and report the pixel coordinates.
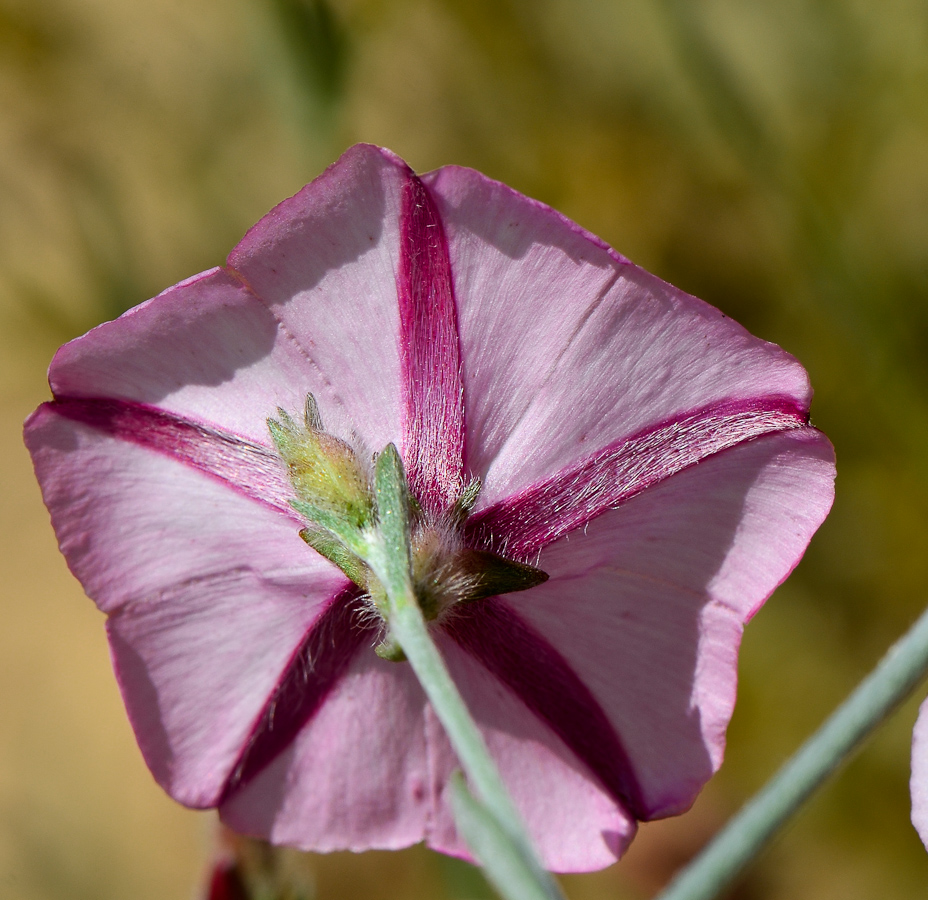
(357, 777)
(648, 603)
(568, 347)
(112, 500)
(210, 567)
(370, 770)
(567, 500)
(250, 469)
(326, 262)
(196, 665)
(324, 655)
(532, 668)
(207, 349)
(919, 781)
(574, 823)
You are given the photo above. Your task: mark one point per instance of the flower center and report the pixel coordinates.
(334, 495)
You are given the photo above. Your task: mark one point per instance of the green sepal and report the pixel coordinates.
(324, 471)
(342, 530)
(329, 546)
(324, 518)
(466, 501)
(492, 574)
(390, 650)
(311, 415)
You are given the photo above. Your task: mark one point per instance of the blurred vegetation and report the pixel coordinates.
(770, 158)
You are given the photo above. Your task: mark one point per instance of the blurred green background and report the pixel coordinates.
(771, 158)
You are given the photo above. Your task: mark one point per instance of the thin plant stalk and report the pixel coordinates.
(496, 833)
(896, 675)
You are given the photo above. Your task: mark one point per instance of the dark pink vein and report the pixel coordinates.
(524, 523)
(433, 427)
(320, 661)
(248, 468)
(532, 668)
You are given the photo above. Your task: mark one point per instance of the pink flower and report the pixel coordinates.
(643, 450)
(919, 781)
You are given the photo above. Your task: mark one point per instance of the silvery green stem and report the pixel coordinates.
(747, 833)
(510, 872)
(493, 821)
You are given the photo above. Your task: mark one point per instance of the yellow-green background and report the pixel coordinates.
(769, 157)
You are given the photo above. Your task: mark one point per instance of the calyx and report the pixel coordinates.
(334, 494)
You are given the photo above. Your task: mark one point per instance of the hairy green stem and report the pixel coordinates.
(507, 837)
(897, 674)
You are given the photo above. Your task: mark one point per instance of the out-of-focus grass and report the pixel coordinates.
(770, 158)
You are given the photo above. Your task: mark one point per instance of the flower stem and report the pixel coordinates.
(747, 833)
(492, 822)
(511, 873)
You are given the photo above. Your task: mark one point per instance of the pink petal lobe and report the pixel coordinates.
(206, 349)
(192, 686)
(433, 445)
(112, 500)
(569, 499)
(326, 263)
(250, 469)
(370, 770)
(574, 823)
(209, 566)
(919, 781)
(648, 602)
(322, 658)
(357, 776)
(538, 675)
(568, 348)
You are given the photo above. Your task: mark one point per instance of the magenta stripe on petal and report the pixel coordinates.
(319, 662)
(249, 468)
(524, 523)
(433, 449)
(533, 669)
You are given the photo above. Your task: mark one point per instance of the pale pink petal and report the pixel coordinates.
(310, 306)
(357, 777)
(370, 770)
(326, 263)
(132, 522)
(206, 349)
(574, 823)
(568, 348)
(647, 604)
(919, 781)
(218, 596)
(324, 656)
(523, 281)
(196, 664)
(569, 499)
